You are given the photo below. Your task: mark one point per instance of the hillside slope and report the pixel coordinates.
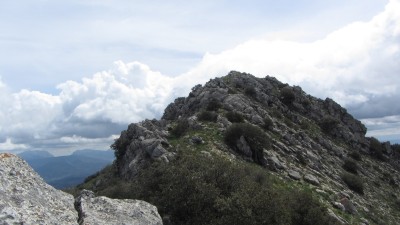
(285, 140)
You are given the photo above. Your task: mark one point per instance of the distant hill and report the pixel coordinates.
(36, 154)
(67, 171)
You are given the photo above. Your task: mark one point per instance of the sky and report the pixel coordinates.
(74, 74)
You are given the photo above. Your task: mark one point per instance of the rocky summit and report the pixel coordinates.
(247, 150)
(26, 199)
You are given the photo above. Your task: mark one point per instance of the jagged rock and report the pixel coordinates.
(274, 164)
(311, 179)
(26, 199)
(103, 210)
(139, 142)
(294, 174)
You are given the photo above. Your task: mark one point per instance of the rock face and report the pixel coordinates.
(26, 199)
(141, 141)
(96, 210)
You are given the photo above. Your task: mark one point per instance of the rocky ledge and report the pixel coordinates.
(26, 199)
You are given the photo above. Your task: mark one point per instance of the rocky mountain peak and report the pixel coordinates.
(295, 137)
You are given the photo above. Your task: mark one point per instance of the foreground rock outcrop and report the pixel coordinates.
(97, 210)
(26, 199)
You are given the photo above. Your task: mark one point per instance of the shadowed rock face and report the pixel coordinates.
(26, 199)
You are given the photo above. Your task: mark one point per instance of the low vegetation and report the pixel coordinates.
(213, 105)
(268, 124)
(354, 182)
(355, 155)
(207, 116)
(196, 189)
(250, 91)
(234, 117)
(376, 149)
(328, 123)
(350, 166)
(287, 95)
(180, 128)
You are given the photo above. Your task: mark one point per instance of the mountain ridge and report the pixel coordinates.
(308, 143)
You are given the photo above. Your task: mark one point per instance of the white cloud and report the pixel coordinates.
(9, 145)
(355, 65)
(74, 139)
(93, 109)
(129, 92)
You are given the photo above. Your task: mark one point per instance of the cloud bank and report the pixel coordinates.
(357, 65)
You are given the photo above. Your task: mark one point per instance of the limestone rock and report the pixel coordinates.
(294, 174)
(311, 179)
(139, 142)
(338, 205)
(26, 199)
(103, 210)
(336, 218)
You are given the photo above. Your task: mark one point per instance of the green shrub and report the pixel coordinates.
(287, 95)
(234, 117)
(213, 105)
(180, 128)
(328, 123)
(207, 116)
(250, 91)
(350, 166)
(354, 182)
(355, 155)
(268, 124)
(376, 149)
(253, 135)
(397, 204)
(307, 210)
(196, 190)
(121, 144)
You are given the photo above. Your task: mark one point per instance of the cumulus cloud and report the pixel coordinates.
(9, 145)
(357, 65)
(84, 112)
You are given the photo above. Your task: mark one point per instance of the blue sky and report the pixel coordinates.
(65, 66)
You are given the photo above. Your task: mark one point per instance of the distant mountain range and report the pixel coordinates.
(67, 171)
